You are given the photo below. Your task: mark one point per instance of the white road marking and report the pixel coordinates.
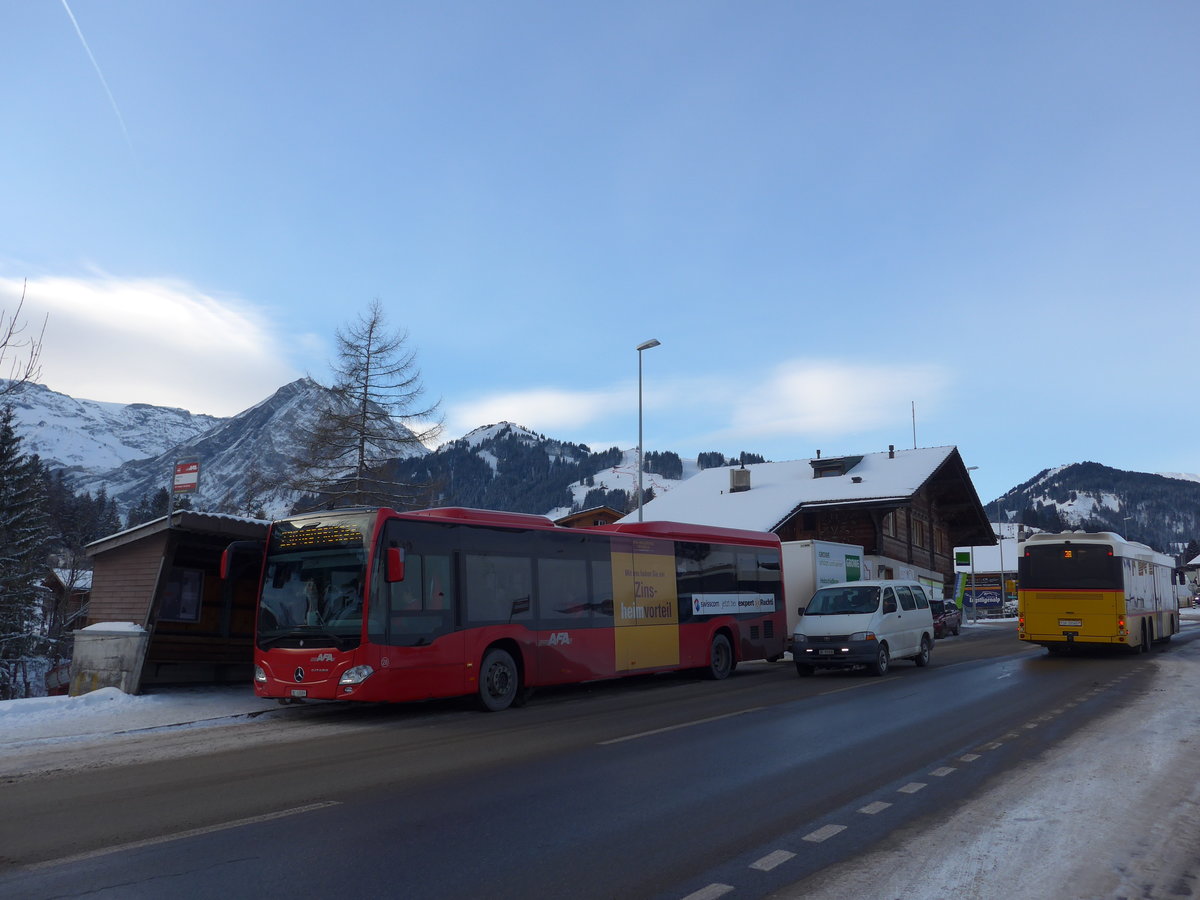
(642, 734)
(771, 860)
(181, 835)
(873, 808)
(943, 771)
(824, 834)
(912, 787)
(711, 892)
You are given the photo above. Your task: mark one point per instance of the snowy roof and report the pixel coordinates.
(778, 489)
(188, 520)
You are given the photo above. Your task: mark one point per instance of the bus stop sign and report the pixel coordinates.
(187, 477)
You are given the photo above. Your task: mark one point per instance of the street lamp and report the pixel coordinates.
(974, 605)
(645, 345)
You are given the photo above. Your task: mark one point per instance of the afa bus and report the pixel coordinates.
(378, 605)
(1094, 589)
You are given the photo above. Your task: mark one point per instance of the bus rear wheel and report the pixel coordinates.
(499, 680)
(720, 658)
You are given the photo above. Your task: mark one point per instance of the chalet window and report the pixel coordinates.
(939, 541)
(889, 524)
(919, 538)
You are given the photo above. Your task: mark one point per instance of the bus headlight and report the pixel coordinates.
(260, 675)
(356, 675)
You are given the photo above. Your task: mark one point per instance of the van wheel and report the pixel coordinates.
(720, 658)
(499, 681)
(804, 670)
(922, 658)
(883, 661)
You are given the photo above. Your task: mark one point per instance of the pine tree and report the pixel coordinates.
(23, 536)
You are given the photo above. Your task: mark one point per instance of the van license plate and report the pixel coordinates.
(825, 653)
(1071, 622)
(299, 692)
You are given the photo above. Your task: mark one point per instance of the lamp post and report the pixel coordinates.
(645, 345)
(974, 606)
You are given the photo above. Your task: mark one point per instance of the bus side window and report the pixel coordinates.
(499, 589)
(563, 596)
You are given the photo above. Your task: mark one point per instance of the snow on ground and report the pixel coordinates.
(109, 711)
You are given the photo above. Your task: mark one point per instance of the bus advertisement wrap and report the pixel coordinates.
(645, 603)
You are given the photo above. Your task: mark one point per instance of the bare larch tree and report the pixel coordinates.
(375, 414)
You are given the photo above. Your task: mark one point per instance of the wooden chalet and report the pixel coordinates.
(590, 518)
(907, 509)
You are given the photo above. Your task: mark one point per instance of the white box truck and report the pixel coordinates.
(808, 565)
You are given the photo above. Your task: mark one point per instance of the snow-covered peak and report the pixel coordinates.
(487, 433)
(92, 436)
(1180, 476)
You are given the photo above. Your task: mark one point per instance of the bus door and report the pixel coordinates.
(413, 623)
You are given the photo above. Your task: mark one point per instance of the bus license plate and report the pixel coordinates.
(1071, 622)
(299, 692)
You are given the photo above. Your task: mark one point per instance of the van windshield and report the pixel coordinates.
(841, 601)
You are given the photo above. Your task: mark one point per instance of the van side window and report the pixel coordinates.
(922, 600)
(907, 603)
(889, 601)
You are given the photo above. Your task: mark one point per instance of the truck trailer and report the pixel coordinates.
(808, 565)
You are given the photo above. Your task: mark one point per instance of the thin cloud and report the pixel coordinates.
(798, 398)
(824, 398)
(148, 341)
(542, 409)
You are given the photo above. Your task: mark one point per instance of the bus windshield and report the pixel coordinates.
(1070, 566)
(313, 584)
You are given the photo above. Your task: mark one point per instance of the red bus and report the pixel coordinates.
(378, 605)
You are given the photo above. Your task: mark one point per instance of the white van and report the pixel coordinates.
(864, 623)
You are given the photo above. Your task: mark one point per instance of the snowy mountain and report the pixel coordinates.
(1158, 510)
(131, 449)
(88, 437)
(245, 461)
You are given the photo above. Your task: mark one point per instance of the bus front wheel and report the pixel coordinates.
(499, 680)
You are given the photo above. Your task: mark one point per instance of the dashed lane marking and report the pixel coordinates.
(824, 834)
(771, 860)
(912, 787)
(943, 771)
(872, 809)
(968, 757)
(711, 892)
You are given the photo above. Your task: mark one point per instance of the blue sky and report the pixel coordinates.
(826, 212)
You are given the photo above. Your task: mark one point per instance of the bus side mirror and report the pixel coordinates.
(394, 570)
(239, 552)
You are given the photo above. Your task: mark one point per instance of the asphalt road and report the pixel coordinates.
(652, 787)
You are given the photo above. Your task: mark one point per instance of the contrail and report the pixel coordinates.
(96, 66)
